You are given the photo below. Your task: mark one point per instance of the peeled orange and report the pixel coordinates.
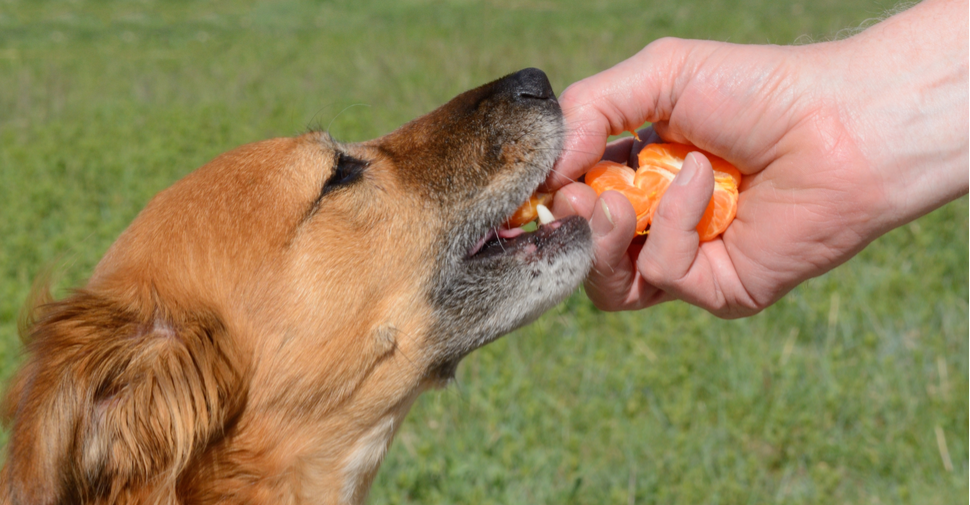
(659, 163)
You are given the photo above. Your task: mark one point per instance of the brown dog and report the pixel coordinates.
(260, 331)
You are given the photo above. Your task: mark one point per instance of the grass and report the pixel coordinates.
(844, 392)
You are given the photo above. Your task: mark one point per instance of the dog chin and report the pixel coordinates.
(506, 284)
(534, 272)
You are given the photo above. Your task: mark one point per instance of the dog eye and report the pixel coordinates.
(347, 171)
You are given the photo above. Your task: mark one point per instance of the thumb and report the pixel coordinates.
(673, 242)
(618, 99)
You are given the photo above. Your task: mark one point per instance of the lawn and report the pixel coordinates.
(852, 389)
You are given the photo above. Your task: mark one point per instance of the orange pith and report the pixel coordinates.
(659, 163)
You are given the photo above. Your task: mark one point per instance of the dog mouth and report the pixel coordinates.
(537, 239)
(541, 238)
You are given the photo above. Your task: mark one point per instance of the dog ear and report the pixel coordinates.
(111, 400)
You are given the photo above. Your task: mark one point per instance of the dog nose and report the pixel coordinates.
(530, 83)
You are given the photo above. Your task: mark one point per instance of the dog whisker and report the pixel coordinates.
(345, 109)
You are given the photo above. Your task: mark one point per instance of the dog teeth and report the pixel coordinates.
(545, 216)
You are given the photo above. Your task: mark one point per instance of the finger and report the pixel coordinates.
(671, 249)
(664, 130)
(614, 224)
(618, 99)
(613, 274)
(620, 286)
(576, 199)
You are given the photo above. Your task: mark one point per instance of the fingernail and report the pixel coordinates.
(687, 171)
(601, 222)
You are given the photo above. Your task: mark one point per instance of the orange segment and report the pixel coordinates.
(644, 187)
(527, 213)
(667, 159)
(671, 157)
(659, 163)
(719, 214)
(654, 183)
(608, 175)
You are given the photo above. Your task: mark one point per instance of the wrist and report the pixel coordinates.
(904, 84)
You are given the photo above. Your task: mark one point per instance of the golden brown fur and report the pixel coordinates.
(262, 328)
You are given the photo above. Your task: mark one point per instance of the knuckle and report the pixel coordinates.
(666, 211)
(601, 300)
(664, 44)
(655, 274)
(663, 47)
(669, 213)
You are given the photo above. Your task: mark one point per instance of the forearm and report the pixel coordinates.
(905, 90)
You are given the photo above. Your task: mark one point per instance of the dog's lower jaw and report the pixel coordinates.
(478, 300)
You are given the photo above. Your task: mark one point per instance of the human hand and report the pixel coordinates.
(840, 142)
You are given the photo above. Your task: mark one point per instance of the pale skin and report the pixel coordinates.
(839, 142)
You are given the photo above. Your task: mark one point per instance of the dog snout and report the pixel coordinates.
(529, 84)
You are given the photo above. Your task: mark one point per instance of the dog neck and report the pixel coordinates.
(334, 437)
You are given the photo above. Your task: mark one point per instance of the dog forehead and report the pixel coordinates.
(229, 214)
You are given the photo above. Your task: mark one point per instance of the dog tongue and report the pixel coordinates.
(510, 233)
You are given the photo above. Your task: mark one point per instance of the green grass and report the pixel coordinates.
(834, 395)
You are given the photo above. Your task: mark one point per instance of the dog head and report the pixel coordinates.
(263, 326)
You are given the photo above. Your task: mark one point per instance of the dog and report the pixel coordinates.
(261, 329)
